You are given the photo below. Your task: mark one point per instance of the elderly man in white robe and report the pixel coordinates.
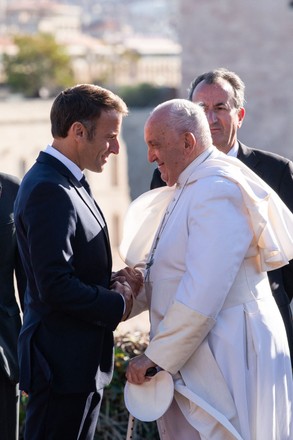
(205, 243)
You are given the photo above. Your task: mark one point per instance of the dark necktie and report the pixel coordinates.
(101, 218)
(85, 184)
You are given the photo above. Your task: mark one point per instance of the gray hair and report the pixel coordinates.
(213, 77)
(186, 116)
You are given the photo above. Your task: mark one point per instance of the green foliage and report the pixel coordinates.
(145, 95)
(39, 64)
(22, 407)
(113, 418)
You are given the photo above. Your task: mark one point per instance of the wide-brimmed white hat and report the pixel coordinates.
(149, 401)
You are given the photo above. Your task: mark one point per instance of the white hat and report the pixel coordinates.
(150, 400)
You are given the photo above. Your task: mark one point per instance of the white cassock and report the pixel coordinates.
(215, 325)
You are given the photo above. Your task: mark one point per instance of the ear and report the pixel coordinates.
(189, 142)
(78, 129)
(241, 115)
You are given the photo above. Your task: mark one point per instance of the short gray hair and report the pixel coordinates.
(186, 116)
(213, 77)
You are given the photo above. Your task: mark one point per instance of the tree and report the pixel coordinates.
(39, 64)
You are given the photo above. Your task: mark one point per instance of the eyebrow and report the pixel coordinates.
(152, 143)
(215, 105)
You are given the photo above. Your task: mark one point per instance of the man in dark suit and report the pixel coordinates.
(221, 93)
(72, 305)
(10, 321)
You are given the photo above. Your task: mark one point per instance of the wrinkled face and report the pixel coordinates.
(166, 147)
(224, 119)
(94, 151)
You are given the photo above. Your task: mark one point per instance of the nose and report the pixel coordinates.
(114, 146)
(211, 116)
(152, 157)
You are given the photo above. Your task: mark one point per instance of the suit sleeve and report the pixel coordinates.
(20, 278)
(286, 194)
(286, 186)
(288, 279)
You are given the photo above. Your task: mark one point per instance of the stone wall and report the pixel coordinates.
(255, 39)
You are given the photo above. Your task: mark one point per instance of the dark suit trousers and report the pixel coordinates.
(9, 409)
(55, 416)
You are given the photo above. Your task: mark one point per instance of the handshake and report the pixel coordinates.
(128, 283)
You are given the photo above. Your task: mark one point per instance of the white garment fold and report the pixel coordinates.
(271, 220)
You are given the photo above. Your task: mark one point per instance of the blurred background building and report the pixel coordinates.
(120, 42)
(255, 39)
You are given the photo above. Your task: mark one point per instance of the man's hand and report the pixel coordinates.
(133, 277)
(125, 290)
(137, 368)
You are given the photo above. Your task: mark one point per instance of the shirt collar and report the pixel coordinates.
(73, 168)
(234, 150)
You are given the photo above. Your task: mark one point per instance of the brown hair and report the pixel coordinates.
(83, 103)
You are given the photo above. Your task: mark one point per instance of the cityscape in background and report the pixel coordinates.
(111, 41)
(105, 19)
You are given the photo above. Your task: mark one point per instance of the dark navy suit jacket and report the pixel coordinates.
(10, 266)
(277, 172)
(70, 313)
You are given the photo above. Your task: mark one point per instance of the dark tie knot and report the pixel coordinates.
(85, 184)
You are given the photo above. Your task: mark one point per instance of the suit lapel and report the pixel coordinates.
(91, 204)
(247, 156)
(95, 210)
